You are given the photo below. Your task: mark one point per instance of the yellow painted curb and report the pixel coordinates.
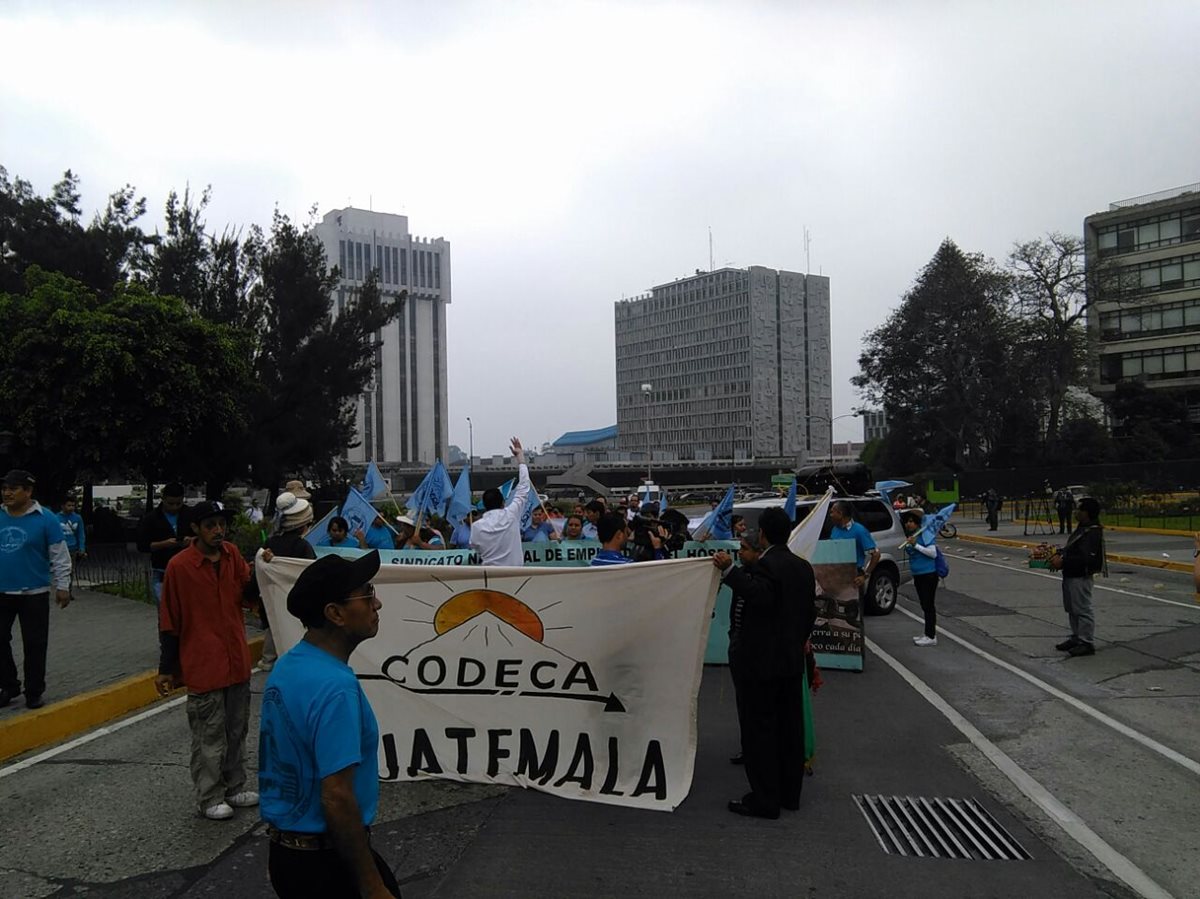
(1119, 558)
(1126, 529)
(60, 720)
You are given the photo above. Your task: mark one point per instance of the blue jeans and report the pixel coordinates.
(156, 582)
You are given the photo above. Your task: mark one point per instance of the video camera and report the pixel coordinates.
(643, 549)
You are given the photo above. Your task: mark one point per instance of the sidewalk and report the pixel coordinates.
(102, 654)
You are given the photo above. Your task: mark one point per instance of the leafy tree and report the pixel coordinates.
(47, 232)
(310, 365)
(1050, 285)
(1150, 424)
(100, 386)
(1083, 441)
(941, 364)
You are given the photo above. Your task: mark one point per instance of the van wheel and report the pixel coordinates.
(882, 592)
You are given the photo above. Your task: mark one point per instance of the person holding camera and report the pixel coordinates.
(1078, 561)
(652, 540)
(613, 536)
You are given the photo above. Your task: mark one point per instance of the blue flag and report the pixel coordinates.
(885, 488)
(433, 493)
(373, 486)
(717, 524)
(318, 534)
(358, 512)
(662, 502)
(789, 504)
(460, 500)
(934, 523)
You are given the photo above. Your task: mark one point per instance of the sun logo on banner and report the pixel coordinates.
(488, 642)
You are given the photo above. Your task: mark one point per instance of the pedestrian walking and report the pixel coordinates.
(993, 504)
(319, 742)
(1079, 560)
(1064, 505)
(74, 531)
(203, 647)
(33, 560)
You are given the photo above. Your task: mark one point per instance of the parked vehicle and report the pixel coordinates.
(884, 524)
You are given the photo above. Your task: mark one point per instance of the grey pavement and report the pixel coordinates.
(113, 817)
(1156, 547)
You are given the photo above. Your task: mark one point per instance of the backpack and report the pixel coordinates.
(940, 565)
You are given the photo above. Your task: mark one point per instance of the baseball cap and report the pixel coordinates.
(19, 477)
(209, 508)
(329, 579)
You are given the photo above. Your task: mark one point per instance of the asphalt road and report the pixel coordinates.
(1090, 763)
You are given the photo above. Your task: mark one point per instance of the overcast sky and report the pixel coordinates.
(574, 153)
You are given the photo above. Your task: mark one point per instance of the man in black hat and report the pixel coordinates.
(318, 748)
(162, 533)
(202, 636)
(33, 554)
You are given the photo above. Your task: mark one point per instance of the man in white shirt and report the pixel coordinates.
(497, 533)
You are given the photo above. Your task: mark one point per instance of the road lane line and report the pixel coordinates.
(1121, 867)
(1172, 602)
(1125, 730)
(88, 737)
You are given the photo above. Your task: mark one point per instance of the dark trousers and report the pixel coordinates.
(308, 873)
(33, 609)
(1064, 521)
(927, 585)
(738, 704)
(772, 713)
(993, 519)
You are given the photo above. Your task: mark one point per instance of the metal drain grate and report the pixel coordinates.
(938, 828)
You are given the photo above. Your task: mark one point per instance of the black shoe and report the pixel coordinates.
(738, 759)
(738, 807)
(1069, 643)
(34, 702)
(791, 806)
(7, 695)
(1082, 649)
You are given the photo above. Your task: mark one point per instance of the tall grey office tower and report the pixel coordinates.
(729, 364)
(402, 416)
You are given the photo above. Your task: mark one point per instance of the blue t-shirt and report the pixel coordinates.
(173, 520)
(316, 721)
(73, 532)
(379, 538)
(539, 534)
(863, 541)
(919, 563)
(25, 542)
(609, 557)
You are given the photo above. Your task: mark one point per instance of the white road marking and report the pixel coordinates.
(1125, 730)
(88, 737)
(1171, 602)
(1121, 867)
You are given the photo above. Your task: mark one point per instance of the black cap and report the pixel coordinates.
(18, 477)
(329, 579)
(208, 508)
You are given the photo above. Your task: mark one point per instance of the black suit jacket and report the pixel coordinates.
(779, 593)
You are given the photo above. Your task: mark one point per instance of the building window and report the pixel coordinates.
(358, 266)
(395, 266)
(404, 267)
(437, 270)
(387, 266)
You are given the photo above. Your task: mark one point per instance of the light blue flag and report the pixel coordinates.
(662, 501)
(432, 493)
(934, 523)
(358, 511)
(505, 492)
(373, 486)
(885, 488)
(318, 534)
(717, 524)
(789, 504)
(460, 500)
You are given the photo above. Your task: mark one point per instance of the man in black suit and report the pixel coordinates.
(778, 613)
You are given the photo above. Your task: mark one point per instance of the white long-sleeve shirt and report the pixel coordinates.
(497, 534)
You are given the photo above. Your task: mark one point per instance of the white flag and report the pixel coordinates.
(807, 533)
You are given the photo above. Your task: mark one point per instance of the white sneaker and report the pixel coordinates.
(925, 641)
(244, 799)
(219, 812)
(918, 638)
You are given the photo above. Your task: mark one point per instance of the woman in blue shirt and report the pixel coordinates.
(922, 562)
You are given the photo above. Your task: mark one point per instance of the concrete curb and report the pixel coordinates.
(60, 720)
(1119, 558)
(1124, 529)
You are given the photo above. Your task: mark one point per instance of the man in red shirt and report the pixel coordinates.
(204, 648)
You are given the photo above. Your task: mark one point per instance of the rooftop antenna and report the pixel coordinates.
(710, 252)
(807, 243)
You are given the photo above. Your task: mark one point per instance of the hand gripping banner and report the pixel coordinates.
(581, 682)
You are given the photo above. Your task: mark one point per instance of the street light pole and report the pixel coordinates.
(470, 442)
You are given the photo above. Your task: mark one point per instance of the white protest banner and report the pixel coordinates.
(568, 553)
(581, 682)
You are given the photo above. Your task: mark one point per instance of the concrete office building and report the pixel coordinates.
(875, 426)
(728, 364)
(1143, 259)
(402, 417)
